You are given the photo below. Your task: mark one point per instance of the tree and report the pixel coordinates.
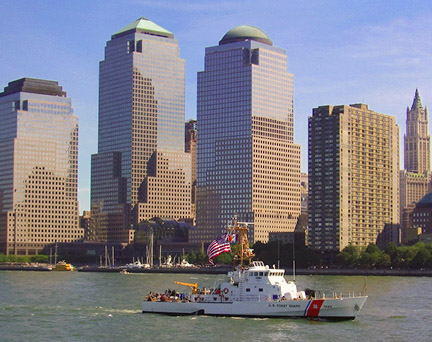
(384, 261)
(422, 258)
(392, 251)
(201, 257)
(224, 258)
(191, 257)
(372, 248)
(405, 256)
(368, 260)
(349, 257)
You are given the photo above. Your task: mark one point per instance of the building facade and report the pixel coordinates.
(415, 179)
(141, 126)
(304, 185)
(421, 229)
(38, 167)
(191, 140)
(353, 176)
(248, 165)
(417, 138)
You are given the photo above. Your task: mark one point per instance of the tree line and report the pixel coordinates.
(416, 256)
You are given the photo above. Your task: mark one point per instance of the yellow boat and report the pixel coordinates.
(63, 266)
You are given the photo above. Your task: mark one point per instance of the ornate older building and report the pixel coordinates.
(417, 138)
(38, 167)
(415, 179)
(248, 164)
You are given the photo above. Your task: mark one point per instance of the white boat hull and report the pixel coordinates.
(330, 309)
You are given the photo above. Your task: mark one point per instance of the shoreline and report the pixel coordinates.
(224, 270)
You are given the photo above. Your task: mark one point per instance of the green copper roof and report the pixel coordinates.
(143, 25)
(245, 32)
(417, 101)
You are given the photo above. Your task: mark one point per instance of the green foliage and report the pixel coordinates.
(224, 259)
(191, 257)
(24, 258)
(391, 250)
(197, 257)
(369, 257)
(39, 258)
(414, 257)
(349, 257)
(201, 257)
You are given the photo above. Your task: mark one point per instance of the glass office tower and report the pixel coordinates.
(141, 118)
(248, 165)
(38, 167)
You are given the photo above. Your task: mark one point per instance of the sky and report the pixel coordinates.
(340, 51)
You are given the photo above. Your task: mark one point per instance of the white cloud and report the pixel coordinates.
(403, 42)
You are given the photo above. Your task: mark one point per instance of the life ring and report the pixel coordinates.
(225, 290)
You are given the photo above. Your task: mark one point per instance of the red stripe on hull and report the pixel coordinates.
(314, 308)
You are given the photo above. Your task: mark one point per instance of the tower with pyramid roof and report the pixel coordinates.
(415, 179)
(417, 138)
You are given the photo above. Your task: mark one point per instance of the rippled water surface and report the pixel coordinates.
(74, 306)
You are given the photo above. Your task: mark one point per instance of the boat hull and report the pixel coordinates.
(328, 309)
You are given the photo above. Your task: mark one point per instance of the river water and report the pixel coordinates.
(75, 306)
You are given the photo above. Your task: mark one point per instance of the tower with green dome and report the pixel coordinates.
(248, 164)
(141, 170)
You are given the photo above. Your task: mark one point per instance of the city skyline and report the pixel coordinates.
(379, 61)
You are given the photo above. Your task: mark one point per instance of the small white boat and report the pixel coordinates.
(255, 290)
(184, 264)
(136, 265)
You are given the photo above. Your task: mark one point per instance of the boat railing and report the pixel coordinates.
(333, 295)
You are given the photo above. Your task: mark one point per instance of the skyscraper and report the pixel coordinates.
(141, 125)
(38, 167)
(415, 180)
(248, 165)
(353, 176)
(417, 138)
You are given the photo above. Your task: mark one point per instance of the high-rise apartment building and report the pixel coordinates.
(353, 176)
(141, 130)
(38, 167)
(415, 179)
(248, 165)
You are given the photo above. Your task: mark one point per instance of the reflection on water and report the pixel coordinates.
(75, 306)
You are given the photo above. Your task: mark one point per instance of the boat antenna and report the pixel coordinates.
(278, 254)
(294, 265)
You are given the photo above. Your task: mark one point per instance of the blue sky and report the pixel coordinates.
(340, 52)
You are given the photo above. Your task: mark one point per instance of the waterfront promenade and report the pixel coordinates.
(224, 270)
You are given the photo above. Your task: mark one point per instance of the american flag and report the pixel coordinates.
(219, 246)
